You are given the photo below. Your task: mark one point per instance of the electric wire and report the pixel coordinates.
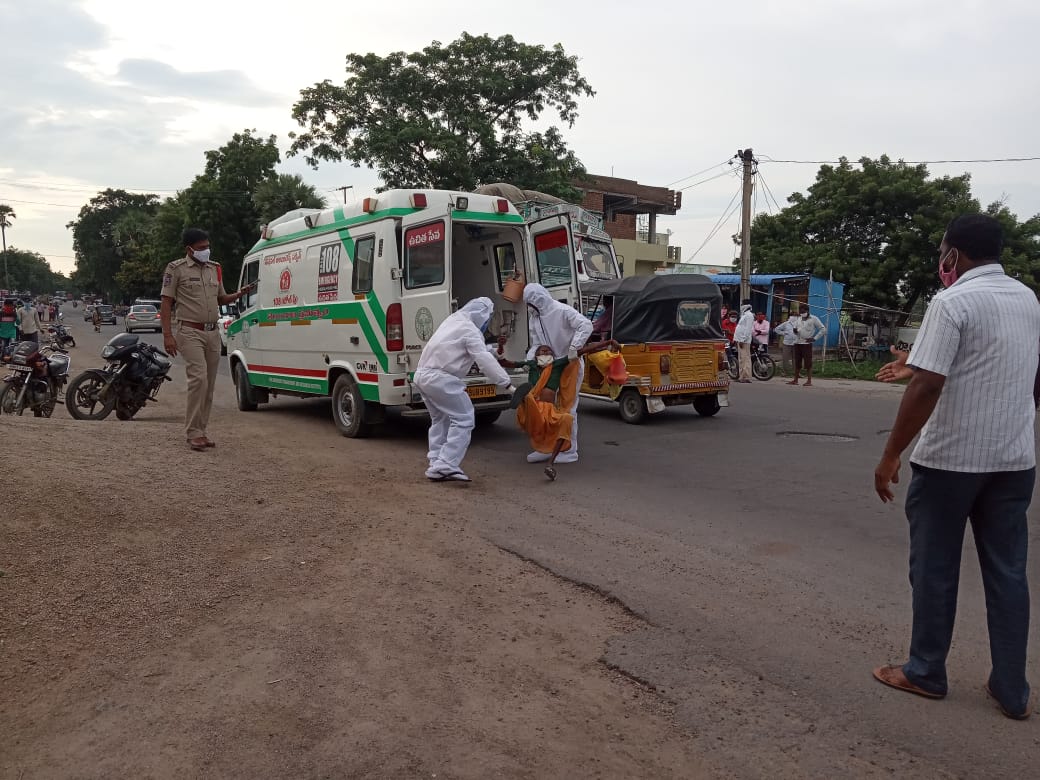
(705, 181)
(727, 214)
(699, 173)
(769, 192)
(767, 158)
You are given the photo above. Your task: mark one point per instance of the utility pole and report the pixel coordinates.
(344, 191)
(4, 224)
(745, 224)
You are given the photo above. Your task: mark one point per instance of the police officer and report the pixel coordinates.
(194, 284)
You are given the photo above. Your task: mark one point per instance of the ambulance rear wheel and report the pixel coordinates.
(244, 393)
(488, 418)
(349, 409)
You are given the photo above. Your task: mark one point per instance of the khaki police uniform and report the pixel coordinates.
(194, 287)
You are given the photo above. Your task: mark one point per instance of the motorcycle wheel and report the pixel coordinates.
(734, 367)
(763, 368)
(72, 342)
(9, 399)
(81, 398)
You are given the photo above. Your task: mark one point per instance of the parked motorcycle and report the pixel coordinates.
(61, 337)
(763, 367)
(37, 377)
(134, 373)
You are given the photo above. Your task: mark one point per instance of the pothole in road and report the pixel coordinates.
(816, 436)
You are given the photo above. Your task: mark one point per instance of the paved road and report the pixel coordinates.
(770, 577)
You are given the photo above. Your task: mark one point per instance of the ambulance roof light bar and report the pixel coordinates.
(418, 200)
(502, 206)
(368, 205)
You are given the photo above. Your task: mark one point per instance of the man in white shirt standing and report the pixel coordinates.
(807, 330)
(971, 397)
(742, 338)
(786, 331)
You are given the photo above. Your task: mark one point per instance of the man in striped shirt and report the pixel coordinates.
(970, 396)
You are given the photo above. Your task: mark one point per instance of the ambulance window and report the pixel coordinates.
(364, 258)
(250, 274)
(424, 256)
(554, 258)
(505, 263)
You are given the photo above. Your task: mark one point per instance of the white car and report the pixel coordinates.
(227, 316)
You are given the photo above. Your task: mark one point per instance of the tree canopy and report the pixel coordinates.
(31, 271)
(124, 240)
(877, 227)
(449, 116)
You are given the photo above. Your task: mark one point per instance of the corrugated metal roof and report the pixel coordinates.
(757, 280)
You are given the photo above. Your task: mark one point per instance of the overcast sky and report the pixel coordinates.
(113, 93)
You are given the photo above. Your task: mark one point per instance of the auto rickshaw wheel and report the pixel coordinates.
(706, 405)
(632, 406)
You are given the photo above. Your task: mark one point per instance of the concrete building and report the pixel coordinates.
(630, 212)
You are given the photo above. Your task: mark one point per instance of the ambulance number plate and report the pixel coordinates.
(481, 391)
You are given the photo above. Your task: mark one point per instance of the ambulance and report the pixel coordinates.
(347, 297)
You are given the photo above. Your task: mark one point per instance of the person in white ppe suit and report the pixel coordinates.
(452, 350)
(561, 328)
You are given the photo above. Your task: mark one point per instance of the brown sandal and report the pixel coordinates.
(1004, 712)
(893, 677)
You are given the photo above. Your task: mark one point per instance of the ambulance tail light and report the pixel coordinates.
(502, 206)
(418, 200)
(394, 328)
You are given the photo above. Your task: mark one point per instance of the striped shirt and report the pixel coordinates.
(983, 335)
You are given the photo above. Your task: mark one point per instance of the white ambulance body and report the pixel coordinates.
(347, 297)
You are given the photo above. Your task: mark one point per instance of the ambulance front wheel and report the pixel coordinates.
(349, 408)
(244, 392)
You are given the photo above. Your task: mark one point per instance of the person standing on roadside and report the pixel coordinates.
(788, 339)
(29, 324)
(760, 330)
(193, 283)
(972, 397)
(807, 330)
(8, 324)
(742, 338)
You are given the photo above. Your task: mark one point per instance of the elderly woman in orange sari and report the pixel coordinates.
(544, 404)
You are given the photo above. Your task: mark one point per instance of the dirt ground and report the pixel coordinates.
(289, 605)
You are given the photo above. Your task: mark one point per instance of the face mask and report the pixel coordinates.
(484, 327)
(202, 255)
(948, 277)
(544, 360)
(805, 316)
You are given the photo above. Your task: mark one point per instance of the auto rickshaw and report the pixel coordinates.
(670, 331)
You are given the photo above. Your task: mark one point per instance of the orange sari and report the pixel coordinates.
(546, 423)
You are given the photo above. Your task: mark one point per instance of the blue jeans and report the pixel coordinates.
(938, 505)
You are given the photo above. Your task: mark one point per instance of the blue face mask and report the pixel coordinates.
(484, 327)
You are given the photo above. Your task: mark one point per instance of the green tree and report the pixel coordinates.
(449, 116)
(31, 271)
(220, 199)
(98, 244)
(283, 193)
(1021, 256)
(6, 215)
(876, 227)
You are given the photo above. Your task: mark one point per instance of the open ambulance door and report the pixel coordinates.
(425, 276)
(555, 265)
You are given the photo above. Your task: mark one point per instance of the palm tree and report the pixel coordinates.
(285, 192)
(6, 215)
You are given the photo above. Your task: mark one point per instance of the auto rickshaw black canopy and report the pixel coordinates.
(666, 307)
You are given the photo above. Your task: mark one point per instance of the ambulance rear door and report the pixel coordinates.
(425, 276)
